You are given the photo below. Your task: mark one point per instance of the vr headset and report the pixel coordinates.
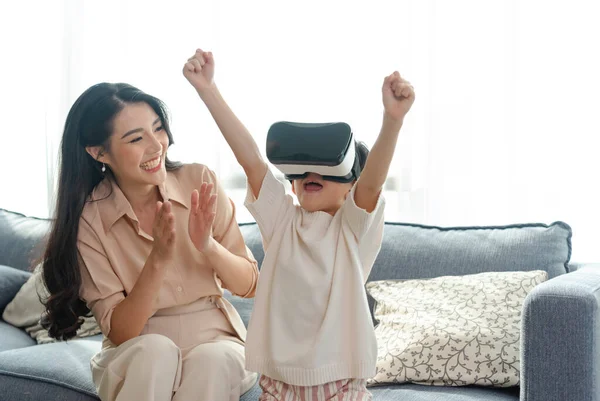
(328, 149)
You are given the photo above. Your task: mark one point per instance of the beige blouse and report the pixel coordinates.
(113, 248)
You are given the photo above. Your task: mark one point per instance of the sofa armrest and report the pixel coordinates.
(576, 266)
(560, 346)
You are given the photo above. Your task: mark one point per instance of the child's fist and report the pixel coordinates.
(200, 70)
(398, 96)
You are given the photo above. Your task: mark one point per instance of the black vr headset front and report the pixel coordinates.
(328, 149)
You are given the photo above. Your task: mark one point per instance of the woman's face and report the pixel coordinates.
(138, 146)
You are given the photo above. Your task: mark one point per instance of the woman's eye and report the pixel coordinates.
(160, 128)
(136, 139)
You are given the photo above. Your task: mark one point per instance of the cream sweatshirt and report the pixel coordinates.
(311, 322)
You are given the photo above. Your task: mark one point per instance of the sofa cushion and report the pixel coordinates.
(12, 338)
(35, 383)
(21, 239)
(11, 280)
(27, 389)
(416, 392)
(452, 330)
(65, 366)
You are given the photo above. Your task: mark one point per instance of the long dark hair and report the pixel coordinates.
(89, 123)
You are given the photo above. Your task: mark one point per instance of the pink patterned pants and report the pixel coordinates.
(341, 390)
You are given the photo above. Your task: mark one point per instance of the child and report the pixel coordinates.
(311, 335)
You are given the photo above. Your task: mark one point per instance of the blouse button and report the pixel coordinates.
(179, 289)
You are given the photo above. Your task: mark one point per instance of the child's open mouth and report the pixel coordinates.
(312, 186)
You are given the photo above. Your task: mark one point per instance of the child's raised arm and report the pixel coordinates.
(199, 71)
(398, 97)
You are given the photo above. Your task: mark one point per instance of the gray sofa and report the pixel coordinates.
(560, 326)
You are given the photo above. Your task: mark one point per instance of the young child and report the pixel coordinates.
(311, 335)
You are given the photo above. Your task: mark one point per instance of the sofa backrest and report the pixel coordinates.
(21, 239)
(411, 251)
(417, 251)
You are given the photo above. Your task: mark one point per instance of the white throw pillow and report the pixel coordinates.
(452, 330)
(26, 308)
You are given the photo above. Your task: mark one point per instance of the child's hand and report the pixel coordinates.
(202, 216)
(200, 70)
(398, 96)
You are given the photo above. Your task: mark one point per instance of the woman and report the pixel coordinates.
(147, 245)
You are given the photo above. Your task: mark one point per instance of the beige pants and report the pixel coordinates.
(184, 353)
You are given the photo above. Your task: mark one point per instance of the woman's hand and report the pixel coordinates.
(202, 216)
(398, 96)
(199, 70)
(163, 231)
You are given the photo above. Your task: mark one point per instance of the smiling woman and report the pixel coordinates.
(139, 241)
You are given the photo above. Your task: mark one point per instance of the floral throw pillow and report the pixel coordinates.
(452, 330)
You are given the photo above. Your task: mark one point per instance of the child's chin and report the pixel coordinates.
(309, 206)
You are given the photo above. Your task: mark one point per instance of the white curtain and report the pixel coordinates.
(502, 131)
